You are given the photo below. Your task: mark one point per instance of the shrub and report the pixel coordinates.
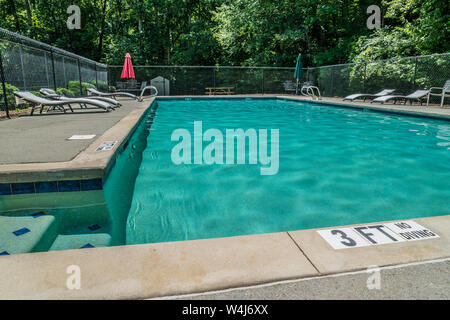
(102, 85)
(11, 99)
(65, 92)
(74, 87)
(37, 93)
(10, 96)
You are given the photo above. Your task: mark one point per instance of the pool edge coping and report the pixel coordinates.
(199, 266)
(87, 164)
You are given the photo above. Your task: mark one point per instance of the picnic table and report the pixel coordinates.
(219, 90)
(129, 86)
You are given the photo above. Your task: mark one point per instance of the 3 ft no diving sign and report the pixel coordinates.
(375, 234)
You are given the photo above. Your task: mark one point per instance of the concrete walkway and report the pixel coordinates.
(43, 138)
(423, 281)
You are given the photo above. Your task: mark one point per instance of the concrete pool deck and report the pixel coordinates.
(175, 268)
(416, 109)
(427, 280)
(39, 149)
(166, 269)
(43, 138)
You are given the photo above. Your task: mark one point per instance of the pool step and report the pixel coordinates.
(81, 241)
(26, 233)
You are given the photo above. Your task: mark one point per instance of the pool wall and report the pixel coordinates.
(71, 193)
(118, 187)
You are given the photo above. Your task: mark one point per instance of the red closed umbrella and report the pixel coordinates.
(127, 71)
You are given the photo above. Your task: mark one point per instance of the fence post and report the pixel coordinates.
(364, 79)
(5, 96)
(214, 80)
(96, 76)
(53, 69)
(21, 65)
(108, 77)
(64, 72)
(332, 82)
(415, 73)
(262, 83)
(46, 70)
(79, 74)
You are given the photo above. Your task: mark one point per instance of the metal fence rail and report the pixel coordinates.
(193, 80)
(27, 64)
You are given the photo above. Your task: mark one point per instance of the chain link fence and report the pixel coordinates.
(405, 75)
(197, 80)
(27, 64)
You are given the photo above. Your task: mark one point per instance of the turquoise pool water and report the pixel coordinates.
(337, 166)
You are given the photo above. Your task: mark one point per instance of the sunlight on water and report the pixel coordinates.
(336, 166)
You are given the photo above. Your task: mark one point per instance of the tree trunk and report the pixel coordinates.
(29, 17)
(102, 30)
(168, 47)
(119, 13)
(12, 6)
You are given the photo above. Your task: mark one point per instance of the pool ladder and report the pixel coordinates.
(310, 92)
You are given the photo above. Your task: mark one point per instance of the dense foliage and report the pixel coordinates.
(234, 32)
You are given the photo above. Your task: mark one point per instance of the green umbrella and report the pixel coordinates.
(298, 70)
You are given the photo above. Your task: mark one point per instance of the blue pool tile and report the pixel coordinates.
(125, 145)
(69, 185)
(94, 227)
(87, 245)
(21, 231)
(5, 189)
(21, 188)
(50, 186)
(38, 214)
(4, 253)
(93, 184)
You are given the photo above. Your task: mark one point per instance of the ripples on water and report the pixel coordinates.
(336, 166)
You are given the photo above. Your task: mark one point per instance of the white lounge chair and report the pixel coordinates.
(444, 92)
(417, 95)
(141, 97)
(289, 86)
(92, 91)
(369, 95)
(50, 93)
(38, 102)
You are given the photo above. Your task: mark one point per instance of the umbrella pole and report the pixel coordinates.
(296, 88)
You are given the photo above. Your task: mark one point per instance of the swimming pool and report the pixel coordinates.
(302, 165)
(336, 166)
